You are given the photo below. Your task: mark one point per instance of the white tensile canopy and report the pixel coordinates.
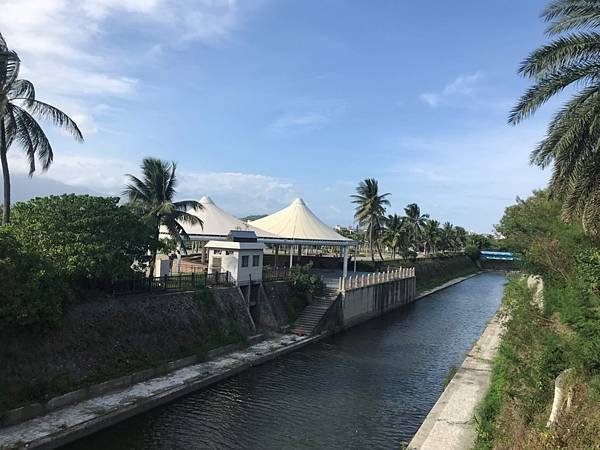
(293, 225)
(216, 223)
(297, 224)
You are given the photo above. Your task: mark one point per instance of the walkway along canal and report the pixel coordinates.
(368, 387)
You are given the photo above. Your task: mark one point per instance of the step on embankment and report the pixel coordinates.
(310, 318)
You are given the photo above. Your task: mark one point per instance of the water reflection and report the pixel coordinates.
(370, 387)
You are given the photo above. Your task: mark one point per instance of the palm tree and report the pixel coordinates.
(448, 236)
(370, 210)
(572, 58)
(416, 221)
(431, 235)
(461, 237)
(18, 112)
(153, 196)
(395, 233)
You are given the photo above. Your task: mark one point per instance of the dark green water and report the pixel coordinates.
(369, 387)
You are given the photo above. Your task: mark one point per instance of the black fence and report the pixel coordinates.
(275, 273)
(177, 282)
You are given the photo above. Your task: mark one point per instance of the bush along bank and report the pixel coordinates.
(541, 343)
(430, 272)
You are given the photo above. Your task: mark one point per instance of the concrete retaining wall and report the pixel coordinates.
(364, 303)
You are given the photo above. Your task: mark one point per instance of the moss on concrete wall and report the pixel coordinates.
(105, 339)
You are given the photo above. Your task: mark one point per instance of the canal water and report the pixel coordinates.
(369, 387)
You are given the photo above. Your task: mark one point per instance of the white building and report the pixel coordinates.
(241, 256)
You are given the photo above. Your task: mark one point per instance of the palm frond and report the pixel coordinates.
(186, 205)
(575, 48)
(23, 89)
(55, 115)
(565, 15)
(34, 140)
(551, 85)
(136, 190)
(9, 68)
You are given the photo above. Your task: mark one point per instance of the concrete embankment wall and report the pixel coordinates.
(111, 337)
(429, 271)
(363, 303)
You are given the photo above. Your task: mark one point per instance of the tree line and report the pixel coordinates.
(408, 234)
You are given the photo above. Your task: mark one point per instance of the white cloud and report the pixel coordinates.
(238, 193)
(306, 114)
(472, 173)
(464, 85)
(307, 121)
(66, 49)
(241, 194)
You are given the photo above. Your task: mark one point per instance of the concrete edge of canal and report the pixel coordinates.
(451, 422)
(89, 416)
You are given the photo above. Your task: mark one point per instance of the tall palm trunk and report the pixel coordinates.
(371, 242)
(5, 175)
(379, 250)
(154, 251)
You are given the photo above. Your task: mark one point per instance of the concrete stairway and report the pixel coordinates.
(311, 316)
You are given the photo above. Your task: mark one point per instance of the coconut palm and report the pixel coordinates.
(461, 237)
(396, 233)
(431, 235)
(19, 110)
(448, 236)
(370, 210)
(416, 221)
(153, 196)
(572, 58)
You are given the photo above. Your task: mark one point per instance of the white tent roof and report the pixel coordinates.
(297, 222)
(217, 223)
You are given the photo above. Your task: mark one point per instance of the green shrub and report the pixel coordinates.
(588, 268)
(303, 281)
(90, 240)
(32, 294)
(472, 252)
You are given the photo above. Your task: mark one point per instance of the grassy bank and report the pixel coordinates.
(426, 283)
(537, 347)
(540, 343)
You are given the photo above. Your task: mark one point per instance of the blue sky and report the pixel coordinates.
(263, 101)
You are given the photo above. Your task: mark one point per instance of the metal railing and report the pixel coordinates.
(177, 282)
(275, 273)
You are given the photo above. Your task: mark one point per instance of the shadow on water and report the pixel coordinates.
(369, 387)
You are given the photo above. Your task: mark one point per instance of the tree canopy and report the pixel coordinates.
(19, 110)
(571, 59)
(90, 240)
(153, 196)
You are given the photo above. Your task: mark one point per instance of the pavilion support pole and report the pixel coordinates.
(291, 257)
(345, 257)
(276, 254)
(178, 263)
(355, 255)
(204, 257)
(299, 253)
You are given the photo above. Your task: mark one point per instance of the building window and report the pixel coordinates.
(245, 261)
(255, 260)
(228, 252)
(216, 252)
